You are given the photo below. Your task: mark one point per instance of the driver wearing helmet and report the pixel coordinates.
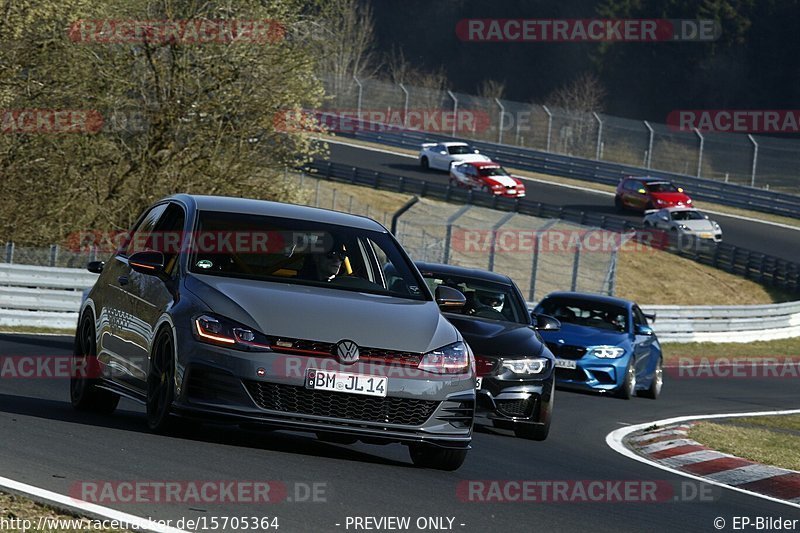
(495, 300)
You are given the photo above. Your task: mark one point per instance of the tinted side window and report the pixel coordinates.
(168, 235)
(638, 317)
(140, 237)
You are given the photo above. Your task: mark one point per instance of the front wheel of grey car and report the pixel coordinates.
(161, 384)
(83, 391)
(427, 456)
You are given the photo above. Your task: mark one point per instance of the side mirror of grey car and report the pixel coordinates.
(95, 266)
(148, 262)
(644, 330)
(449, 298)
(545, 322)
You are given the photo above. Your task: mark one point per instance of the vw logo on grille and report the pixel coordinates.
(347, 351)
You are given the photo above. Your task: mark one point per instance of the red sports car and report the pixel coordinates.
(649, 193)
(486, 176)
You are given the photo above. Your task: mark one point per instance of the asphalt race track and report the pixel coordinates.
(765, 238)
(47, 444)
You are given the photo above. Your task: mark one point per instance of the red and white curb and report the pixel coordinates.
(664, 444)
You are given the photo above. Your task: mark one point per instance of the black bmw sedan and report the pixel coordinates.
(515, 369)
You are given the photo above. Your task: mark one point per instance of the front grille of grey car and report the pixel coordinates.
(566, 351)
(516, 408)
(302, 401)
(328, 349)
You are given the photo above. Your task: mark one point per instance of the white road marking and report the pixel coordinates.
(615, 438)
(85, 508)
(567, 186)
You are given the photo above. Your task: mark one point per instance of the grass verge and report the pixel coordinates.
(20, 514)
(774, 442)
(779, 349)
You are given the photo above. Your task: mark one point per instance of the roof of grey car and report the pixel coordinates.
(248, 206)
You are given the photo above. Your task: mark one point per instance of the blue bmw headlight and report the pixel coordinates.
(606, 352)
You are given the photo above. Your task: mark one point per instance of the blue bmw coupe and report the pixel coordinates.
(605, 344)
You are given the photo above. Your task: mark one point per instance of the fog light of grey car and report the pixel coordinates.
(529, 365)
(606, 352)
(451, 359)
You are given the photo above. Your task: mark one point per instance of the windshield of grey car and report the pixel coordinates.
(302, 252)
(686, 215)
(484, 299)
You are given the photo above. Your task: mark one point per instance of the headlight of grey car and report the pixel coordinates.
(451, 359)
(224, 332)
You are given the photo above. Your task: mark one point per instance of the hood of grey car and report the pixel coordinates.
(326, 314)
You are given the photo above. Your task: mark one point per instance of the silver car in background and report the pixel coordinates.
(286, 316)
(684, 221)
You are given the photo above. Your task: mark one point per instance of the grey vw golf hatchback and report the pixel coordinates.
(294, 317)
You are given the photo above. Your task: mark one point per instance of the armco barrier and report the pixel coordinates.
(607, 173)
(739, 323)
(58, 308)
(35, 296)
(760, 267)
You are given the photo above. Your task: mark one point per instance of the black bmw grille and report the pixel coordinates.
(566, 351)
(299, 400)
(572, 374)
(516, 408)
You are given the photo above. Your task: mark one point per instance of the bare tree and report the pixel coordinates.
(573, 105)
(492, 89)
(345, 39)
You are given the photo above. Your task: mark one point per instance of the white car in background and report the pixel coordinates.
(441, 155)
(685, 221)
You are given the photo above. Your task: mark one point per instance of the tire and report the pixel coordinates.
(83, 392)
(161, 384)
(618, 203)
(426, 456)
(654, 391)
(628, 387)
(424, 163)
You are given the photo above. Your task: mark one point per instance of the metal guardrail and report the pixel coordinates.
(58, 308)
(739, 323)
(730, 194)
(35, 296)
(765, 269)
